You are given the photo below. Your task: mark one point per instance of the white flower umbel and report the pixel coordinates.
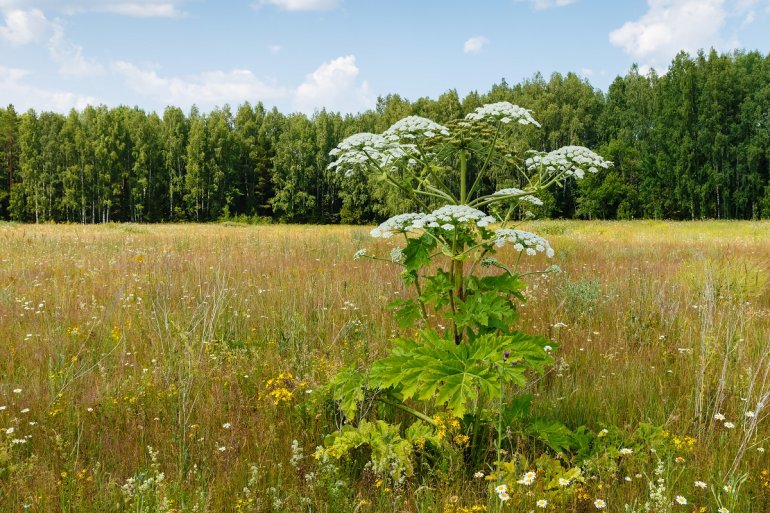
(523, 241)
(569, 160)
(505, 112)
(413, 127)
(518, 194)
(453, 215)
(402, 223)
(365, 149)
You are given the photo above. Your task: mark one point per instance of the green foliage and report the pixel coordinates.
(391, 454)
(433, 367)
(689, 144)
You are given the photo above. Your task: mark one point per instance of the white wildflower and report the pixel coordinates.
(523, 240)
(680, 500)
(569, 160)
(625, 451)
(401, 223)
(359, 254)
(367, 150)
(505, 112)
(396, 255)
(719, 416)
(701, 484)
(412, 127)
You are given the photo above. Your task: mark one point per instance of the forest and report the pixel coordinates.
(691, 143)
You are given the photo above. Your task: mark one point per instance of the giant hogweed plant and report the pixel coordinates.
(463, 351)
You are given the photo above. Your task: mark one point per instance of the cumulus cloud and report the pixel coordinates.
(301, 5)
(206, 89)
(670, 26)
(334, 86)
(475, 44)
(24, 26)
(13, 85)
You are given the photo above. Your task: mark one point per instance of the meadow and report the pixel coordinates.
(173, 368)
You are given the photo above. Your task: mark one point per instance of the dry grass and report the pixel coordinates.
(121, 337)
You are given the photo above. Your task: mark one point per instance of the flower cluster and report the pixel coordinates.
(505, 112)
(402, 223)
(518, 194)
(412, 127)
(447, 218)
(523, 241)
(364, 149)
(570, 160)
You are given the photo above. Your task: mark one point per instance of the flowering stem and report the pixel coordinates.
(486, 162)
(463, 177)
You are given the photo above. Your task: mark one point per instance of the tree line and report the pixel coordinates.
(691, 143)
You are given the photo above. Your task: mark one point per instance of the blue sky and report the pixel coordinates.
(301, 55)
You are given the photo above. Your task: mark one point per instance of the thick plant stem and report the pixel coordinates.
(463, 178)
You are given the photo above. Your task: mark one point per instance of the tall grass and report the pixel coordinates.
(167, 368)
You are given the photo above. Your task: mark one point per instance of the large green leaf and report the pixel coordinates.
(391, 453)
(434, 367)
(348, 389)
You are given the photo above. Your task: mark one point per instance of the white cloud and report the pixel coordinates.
(274, 49)
(475, 44)
(333, 86)
(31, 26)
(670, 26)
(540, 5)
(206, 89)
(301, 5)
(26, 96)
(69, 57)
(24, 27)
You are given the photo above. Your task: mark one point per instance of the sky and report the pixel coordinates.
(304, 55)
